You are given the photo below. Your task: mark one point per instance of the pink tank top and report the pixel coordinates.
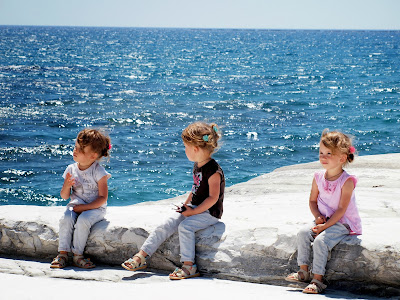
(329, 198)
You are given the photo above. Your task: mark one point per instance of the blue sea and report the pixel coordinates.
(272, 92)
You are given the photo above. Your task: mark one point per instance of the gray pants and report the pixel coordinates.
(186, 227)
(323, 243)
(75, 229)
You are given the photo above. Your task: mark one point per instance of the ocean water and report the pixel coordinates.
(271, 91)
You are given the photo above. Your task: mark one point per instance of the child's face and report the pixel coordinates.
(191, 152)
(328, 159)
(84, 156)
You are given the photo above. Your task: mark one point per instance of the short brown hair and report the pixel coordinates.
(98, 141)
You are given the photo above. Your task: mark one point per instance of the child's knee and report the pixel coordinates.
(67, 220)
(83, 223)
(185, 227)
(304, 233)
(320, 244)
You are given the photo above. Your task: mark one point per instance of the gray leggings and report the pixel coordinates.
(75, 229)
(186, 227)
(323, 243)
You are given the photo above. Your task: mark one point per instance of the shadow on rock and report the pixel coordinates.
(138, 275)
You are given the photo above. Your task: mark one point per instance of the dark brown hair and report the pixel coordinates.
(98, 141)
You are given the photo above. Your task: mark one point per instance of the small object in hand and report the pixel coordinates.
(180, 209)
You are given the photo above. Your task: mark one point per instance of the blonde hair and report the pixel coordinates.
(98, 141)
(338, 143)
(202, 135)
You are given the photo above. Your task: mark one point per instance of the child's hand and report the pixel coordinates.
(318, 229)
(79, 208)
(69, 180)
(188, 212)
(320, 220)
(180, 209)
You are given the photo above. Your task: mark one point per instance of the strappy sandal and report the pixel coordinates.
(300, 276)
(60, 261)
(81, 262)
(315, 287)
(133, 265)
(184, 272)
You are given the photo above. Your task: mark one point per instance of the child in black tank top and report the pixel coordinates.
(202, 208)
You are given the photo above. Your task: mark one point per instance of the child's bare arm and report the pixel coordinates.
(66, 188)
(189, 198)
(319, 219)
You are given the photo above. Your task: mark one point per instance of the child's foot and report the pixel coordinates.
(60, 261)
(300, 276)
(315, 287)
(81, 262)
(137, 262)
(187, 271)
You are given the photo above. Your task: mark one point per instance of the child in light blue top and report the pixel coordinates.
(85, 183)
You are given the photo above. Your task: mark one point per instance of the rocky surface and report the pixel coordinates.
(113, 282)
(256, 240)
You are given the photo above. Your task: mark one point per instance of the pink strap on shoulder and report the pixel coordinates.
(354, 178)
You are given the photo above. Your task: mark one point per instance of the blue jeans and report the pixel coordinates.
(75, 229)
(186, 227)
(323, 243)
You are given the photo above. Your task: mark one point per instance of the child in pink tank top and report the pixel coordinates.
(333, 205)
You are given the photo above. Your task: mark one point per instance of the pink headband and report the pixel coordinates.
(352, 150)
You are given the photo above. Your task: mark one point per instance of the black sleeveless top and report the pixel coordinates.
(200, 189)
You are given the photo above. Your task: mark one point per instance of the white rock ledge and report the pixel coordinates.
(257, 239)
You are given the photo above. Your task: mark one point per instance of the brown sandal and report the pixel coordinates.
(184, 272)
(82, 262)
(315, 287)
(60, 261)
(300, 276)
(133, 265)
